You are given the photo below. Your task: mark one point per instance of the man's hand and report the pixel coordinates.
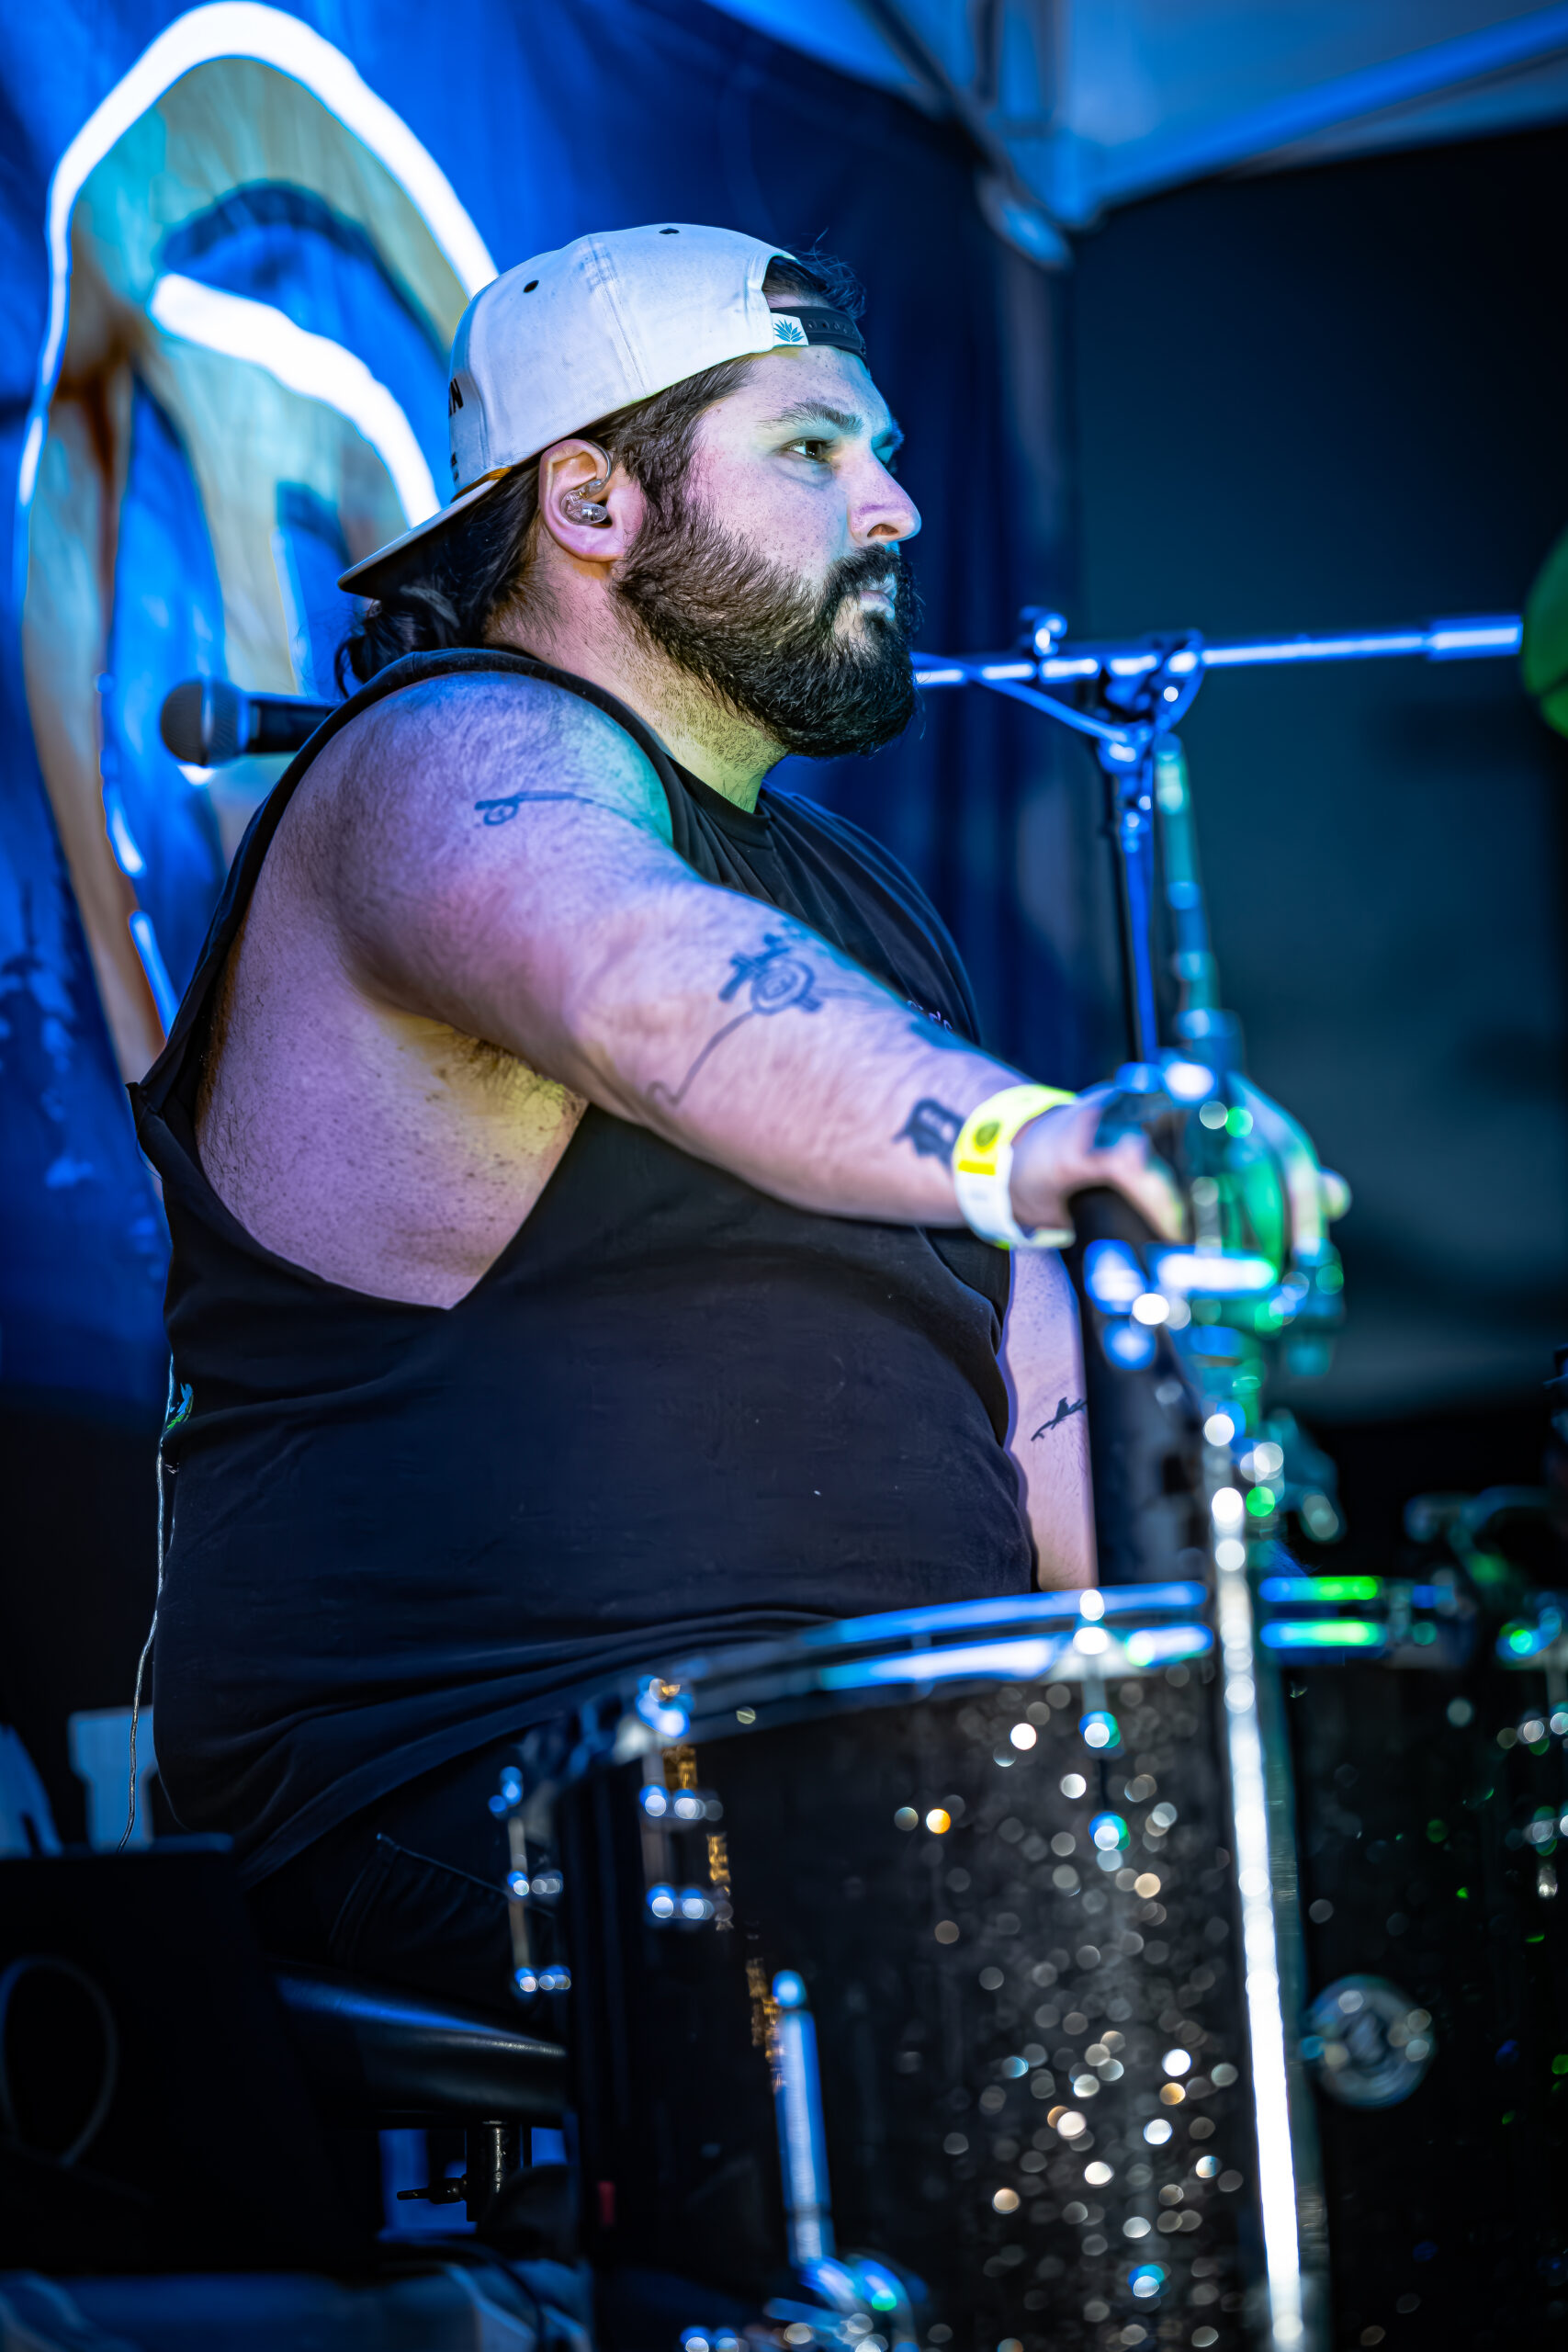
(1056, 1157)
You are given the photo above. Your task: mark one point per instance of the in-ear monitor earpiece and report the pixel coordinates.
(585, 506)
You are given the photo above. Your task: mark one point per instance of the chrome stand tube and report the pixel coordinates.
(1262, 1826)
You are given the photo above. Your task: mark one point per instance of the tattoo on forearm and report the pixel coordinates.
(932, 1129)
(936, 1029)
(776, 979)
(1064, 1412)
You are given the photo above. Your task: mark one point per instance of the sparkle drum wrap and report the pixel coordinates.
(939, 1905)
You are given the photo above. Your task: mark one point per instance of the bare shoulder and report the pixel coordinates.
(433, 764)
(458, 812)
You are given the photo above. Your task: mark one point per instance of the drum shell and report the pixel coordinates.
(937, 2081)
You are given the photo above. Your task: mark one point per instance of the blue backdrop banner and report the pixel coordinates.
(272, 220)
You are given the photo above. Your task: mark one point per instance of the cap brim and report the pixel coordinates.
(380, 572)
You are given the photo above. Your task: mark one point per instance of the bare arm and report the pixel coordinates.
(1043, 1363)
(496, 855)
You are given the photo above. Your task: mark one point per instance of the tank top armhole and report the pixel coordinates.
(177, 1066)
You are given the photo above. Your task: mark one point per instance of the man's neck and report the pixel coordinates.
(730, 754)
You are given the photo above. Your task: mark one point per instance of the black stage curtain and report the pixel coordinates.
(1327, 398)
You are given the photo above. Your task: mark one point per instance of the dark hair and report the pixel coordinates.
(460, 581)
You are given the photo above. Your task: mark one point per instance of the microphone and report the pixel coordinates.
(207, 722)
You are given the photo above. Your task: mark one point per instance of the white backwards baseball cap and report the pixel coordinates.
(548, 349)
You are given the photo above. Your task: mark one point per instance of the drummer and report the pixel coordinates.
(585, 1177)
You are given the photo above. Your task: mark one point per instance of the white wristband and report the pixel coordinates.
(982, 1166)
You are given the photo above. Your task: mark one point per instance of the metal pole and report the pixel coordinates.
(1478, 638)
(1140, 693)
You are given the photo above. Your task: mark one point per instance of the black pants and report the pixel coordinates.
(411, 1891)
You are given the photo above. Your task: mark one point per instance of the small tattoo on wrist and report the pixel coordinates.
(1064, 1412)
(932, 1129)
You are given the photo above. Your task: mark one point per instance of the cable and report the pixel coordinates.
(174, 1415)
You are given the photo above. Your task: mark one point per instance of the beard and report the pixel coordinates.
(768, 646)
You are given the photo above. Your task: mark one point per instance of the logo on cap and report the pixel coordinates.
(787, 330)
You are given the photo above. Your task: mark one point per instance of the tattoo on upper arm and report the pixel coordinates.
(776, 979)
(501, 810)
(1064, 1412)
(932, 1129)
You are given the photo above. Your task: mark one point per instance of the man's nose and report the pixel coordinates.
(883, 514)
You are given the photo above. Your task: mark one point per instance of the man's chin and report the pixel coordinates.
(840, 726)
(864, 625)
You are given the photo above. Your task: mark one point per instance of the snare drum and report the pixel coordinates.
(906, 1989)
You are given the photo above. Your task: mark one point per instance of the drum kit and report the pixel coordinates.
(938, 1979)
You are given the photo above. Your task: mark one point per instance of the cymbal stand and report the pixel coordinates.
(1139, 1422)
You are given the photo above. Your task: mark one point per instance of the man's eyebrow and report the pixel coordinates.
(822, 413)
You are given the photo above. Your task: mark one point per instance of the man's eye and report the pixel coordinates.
(816, 450)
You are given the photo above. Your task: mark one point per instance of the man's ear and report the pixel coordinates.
(574, 493)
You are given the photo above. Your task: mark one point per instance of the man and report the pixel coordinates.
(559, 1137)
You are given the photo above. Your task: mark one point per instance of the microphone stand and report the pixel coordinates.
(1135, 692)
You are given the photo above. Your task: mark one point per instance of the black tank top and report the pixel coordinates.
(673, 1411)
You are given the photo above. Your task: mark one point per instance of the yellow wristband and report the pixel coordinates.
(982, 1166)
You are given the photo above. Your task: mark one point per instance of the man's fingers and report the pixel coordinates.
(1147, 1184)
(1058, 1156)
